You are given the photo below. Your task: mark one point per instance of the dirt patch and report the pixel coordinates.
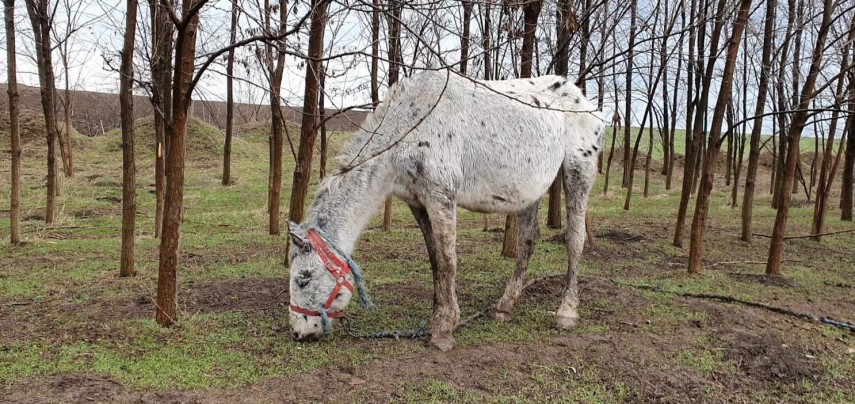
(237, 295)
(778, 281)
(766, 357)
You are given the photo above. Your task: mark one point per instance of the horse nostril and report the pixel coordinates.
(295, 336)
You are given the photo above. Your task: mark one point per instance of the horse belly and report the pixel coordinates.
(503, 189)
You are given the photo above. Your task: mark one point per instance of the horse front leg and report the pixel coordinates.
(529, 233)
(578, 180)
(442, 213)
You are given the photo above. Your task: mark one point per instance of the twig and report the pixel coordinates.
(807, 236)
(750, 262)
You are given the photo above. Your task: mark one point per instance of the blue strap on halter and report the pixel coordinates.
(325, 320)
(355, 269)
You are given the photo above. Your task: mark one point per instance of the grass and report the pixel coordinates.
(70, 313)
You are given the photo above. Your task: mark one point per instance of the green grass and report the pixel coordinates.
(72, 313)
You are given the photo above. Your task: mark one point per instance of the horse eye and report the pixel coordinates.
(303, 279)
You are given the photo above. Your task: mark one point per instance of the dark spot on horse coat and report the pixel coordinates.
(556, 85)
(536, 101)
(531, 82)
(423, 143)
(577, 100)
(499, 198)
(596, 148)
(420, 168)
(483, 124)
(565, 94)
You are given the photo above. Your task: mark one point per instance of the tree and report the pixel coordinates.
(531, 12)
(162, 33)
(754, 149)
(303, 168)
(566, 24)
(274, 194)
(627, 127)
(395, 62)
(849, 161)
(230, 99)
(776, 246)
(185, 53)
(696, 245)
(14, 129)
(41, 18)
(126, 104)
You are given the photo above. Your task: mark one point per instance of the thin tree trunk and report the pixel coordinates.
(322, 170)
(846, 198)
(161, 66)
(486, 42)
(129, 180)
(696, 245)
(562, 61)
(278, 129)
(776, 247)
(627, 127)
(375, 52)
(66, 142)
(185, 52)
(609, 160)
(14, 128)
(230, 101)
(531, 12)
(41, 19)
(302, 170)
(464, 39)
(395, 62)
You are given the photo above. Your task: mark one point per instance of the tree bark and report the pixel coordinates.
(696, 244)
(185, 52)
(41, 19)
(322, 170)
(129, 179)
(302, 170)
(776, 247)
(531, 12)
(230, 100)
(14, 128)
(846, 198)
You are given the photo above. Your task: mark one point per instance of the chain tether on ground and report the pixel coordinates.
(423, 331)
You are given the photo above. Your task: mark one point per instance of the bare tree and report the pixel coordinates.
(396, 60)
(754, 149)
(566, 24)
(696, 245)
(185, 53)
(126, 104)
(302, 170)
(230, 98)
(274, 194)
(162, 32)
(776, 247)
(14, 128)
(41, 18)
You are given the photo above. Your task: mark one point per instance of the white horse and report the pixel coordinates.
(440, 142)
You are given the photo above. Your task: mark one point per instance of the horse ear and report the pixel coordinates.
(297, 236)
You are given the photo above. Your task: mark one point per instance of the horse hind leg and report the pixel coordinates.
(423, 220)
(578, 181)
(529, 233)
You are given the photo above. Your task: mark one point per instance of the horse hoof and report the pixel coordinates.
(502, 316)
(442, 343)
(566, 323)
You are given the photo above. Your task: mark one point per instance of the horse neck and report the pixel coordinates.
(345, 202)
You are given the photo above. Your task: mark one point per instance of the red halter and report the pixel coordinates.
(339, 270)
